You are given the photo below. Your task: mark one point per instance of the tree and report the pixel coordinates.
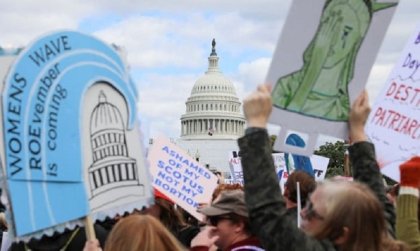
(336, 153)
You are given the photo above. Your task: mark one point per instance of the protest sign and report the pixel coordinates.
(235, 167)
(321, 64)
(70, 137)
(394, 122)
(237, 174)
(283, 167)
(180, 177)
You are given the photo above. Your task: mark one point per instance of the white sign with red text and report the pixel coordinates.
(394, 122)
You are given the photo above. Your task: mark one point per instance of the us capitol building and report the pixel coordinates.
(213, 120)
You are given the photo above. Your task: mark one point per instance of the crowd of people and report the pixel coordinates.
(336, 214)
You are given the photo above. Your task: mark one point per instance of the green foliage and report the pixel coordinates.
(335, 152)
(272, 140)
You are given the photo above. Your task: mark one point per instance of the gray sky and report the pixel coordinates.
(168, 42)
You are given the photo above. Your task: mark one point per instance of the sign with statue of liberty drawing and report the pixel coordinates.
(71, 141)
(322, 62)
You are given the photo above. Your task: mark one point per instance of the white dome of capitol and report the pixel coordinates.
(213, 83)
(213, 108)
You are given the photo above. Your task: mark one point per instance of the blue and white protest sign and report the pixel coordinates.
(180, 177)
(69, 132)
(42, 103)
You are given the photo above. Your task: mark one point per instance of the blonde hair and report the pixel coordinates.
(141, 233)
(355, 206)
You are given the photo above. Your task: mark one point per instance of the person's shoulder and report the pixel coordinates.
(189, 230)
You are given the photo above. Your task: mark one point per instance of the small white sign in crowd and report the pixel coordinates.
(283, 168)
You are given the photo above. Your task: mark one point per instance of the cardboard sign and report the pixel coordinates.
(394, 122)
(180, 177)
(71, 143)
(321, 63)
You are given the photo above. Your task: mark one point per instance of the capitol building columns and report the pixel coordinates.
(212, 110)
(213, 120)
(217, 126)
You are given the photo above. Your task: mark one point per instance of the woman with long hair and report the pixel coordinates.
(138, 233)
(339, 215)
(172, 218)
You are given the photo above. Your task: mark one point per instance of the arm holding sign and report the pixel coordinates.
(359, 113)
(324, 230)
(257, 107)
(266, 206)
(362, 157)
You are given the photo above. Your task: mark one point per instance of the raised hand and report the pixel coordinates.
(258, 106)
(358, 116)
(206, 237)
(92, 245)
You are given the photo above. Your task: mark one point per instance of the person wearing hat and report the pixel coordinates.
(408, 212)
(229, 227)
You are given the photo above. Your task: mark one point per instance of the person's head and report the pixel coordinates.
(225, 187)
(228, 213)
(219, 175)
(307, 185)
(410, 178)
(344, 212)
(141, 233)
(164, 210)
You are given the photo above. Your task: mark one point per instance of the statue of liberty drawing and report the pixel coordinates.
(320, 88)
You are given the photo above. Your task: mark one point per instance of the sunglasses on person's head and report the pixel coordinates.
(214, 220)
(311, 213)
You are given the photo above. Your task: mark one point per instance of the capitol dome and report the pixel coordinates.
(111, 167)
(105, 116)
(213, 83)
(213, 108)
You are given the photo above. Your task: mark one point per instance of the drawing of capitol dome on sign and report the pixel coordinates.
(112, 167)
